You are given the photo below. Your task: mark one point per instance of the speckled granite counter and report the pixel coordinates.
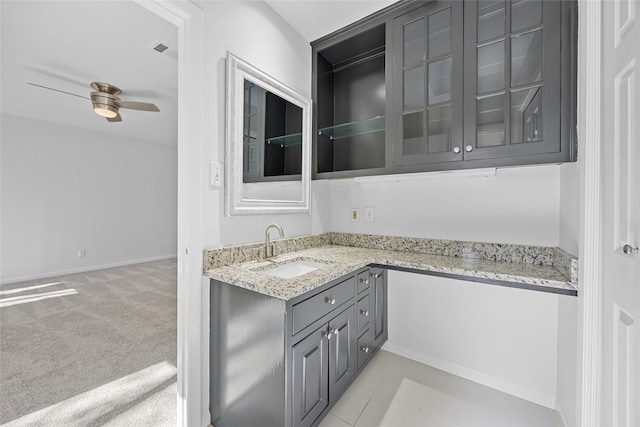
(529, 267)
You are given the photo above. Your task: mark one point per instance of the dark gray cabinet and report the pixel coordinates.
(286, 363)
(467, 84)
(514, 80)
(427, 96)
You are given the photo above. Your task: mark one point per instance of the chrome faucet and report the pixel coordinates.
(268, 246)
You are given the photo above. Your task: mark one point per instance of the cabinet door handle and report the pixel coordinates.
(468, 148)
(365, 312)
(456, 150)
(377, 275)
(326, 335)
(335, 331)
(331, 301)
(365, 349)
(365, 281)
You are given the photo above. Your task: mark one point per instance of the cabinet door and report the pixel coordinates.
(512, 78)
(379, 305)
(428, 73)
(310, 377)
(342, 352)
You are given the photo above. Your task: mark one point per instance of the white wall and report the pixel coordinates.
(65, 189)
(502, 337)
(255, 33)
(518, 205)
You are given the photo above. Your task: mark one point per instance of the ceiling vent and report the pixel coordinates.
(161, 47)
(164, 49)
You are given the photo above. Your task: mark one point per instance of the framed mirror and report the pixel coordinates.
(268, 144)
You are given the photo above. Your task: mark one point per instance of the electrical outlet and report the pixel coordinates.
(81, 253)
(369, 214)
(215, 174)
(355, 214)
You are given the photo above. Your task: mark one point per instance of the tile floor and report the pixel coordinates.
(394, 391)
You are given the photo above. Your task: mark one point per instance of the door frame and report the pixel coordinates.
(590, 256)
(192, 390)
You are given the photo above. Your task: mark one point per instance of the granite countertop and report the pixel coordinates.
(342, 259)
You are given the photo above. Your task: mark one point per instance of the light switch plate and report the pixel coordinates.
(369, 214)
(215, 174)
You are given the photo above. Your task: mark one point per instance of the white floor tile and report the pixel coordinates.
(374, 411)
(353, 402)
(332, 421)
(398, 392)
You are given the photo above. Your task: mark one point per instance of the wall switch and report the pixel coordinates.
(355, 214)
(215, 174)
(369, 214)
(81, 253)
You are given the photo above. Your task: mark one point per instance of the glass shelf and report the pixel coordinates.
(359, 127)
(286, 140)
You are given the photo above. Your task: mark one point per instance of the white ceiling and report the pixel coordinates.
(67, 45)
(316, 18)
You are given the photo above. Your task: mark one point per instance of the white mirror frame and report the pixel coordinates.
(236, 202)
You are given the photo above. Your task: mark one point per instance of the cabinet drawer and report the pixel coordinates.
(363, 312)
(363, 281)
(364, 348)
(308, 311)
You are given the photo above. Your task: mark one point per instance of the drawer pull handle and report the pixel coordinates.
(365, 349)
(365, 312)
(365, 281)
(331, 301)
(326, 335)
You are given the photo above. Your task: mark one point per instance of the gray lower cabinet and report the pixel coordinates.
(286, 363)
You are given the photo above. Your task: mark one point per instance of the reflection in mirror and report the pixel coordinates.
(268, 144)
(272, 136)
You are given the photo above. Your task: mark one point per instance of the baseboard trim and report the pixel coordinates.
(83, 269)
(495, 383)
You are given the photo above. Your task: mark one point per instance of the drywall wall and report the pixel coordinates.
(255, 33)
(65, 189)
(569, 215)
(517, 205)
(502, 337)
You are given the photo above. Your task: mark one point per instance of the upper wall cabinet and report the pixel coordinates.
(442, 85)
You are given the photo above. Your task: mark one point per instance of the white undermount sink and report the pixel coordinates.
(292, 269)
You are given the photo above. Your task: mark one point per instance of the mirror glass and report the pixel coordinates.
(268, 144)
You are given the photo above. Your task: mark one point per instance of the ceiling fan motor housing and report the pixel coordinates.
(104, 99)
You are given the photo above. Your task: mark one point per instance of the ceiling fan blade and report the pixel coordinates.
(117, 118)
(58, 90)
(133, 105)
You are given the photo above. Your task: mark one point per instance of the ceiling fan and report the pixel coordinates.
(106, 102)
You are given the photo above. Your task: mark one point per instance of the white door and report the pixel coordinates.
(620, 380)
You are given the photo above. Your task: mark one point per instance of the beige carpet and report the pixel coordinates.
(93, 348)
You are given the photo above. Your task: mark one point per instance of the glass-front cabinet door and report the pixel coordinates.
(428, 53)
(512, 78)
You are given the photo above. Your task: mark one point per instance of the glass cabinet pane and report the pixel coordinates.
(525, 14)
(414, 95)
(526, 58)
(439, 129)
(491, 67)
(491, 19)
(440, 81)
(413, 125)
(526, 115)
(490, 121)
(440, 33)
(414, 42)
